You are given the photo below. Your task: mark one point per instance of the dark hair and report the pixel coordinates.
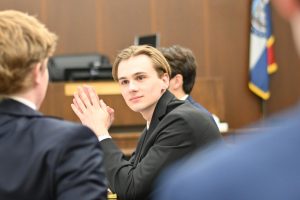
(181, 61)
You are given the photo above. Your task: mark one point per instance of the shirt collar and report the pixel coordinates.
(184, 97)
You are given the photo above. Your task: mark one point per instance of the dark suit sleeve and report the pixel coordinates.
(79, 170)
(135, 182)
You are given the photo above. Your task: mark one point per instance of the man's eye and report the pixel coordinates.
(140, 78)
(123, 82)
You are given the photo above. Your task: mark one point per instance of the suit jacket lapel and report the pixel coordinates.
(166, 103)
(139, 147)
(160, 110)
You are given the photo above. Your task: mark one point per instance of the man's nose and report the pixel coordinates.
(132, 86)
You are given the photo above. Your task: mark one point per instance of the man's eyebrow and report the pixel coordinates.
(135, 74)
(121, 78)
(139, 73)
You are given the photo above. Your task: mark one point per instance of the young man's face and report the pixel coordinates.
(140, 85)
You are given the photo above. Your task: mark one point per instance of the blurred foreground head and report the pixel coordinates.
(290, 10)
(24, 42)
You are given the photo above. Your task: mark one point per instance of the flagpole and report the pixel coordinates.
(263, 109)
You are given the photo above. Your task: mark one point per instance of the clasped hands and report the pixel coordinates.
(92, 111)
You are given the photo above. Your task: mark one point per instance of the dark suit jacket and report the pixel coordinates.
(176, 129)
(45, 158)
(200, 107)
(264, 164)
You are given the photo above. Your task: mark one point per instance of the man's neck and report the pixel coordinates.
(26, 98)
(179, 94)
(184, 97)
(147, 115)
(25, 101)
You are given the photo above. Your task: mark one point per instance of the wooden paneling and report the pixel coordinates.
(210, 93)
(119, 22)
(218, 33)
(228, 54)
(183, 23)
(32, 7)
(216, 30)
(74, 21)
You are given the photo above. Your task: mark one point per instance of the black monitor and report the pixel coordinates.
(151, 39)
(79, 67)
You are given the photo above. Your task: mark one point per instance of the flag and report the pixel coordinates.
(261, 59)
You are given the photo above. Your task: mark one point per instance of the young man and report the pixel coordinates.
(174, 128)
(183, 73)
(41, 157)
(263, 167)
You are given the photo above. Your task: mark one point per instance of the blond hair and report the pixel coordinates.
(24, 41)
(160, 63)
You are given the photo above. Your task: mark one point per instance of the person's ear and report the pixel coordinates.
(165, 81)
(37, 73)
(178, 81)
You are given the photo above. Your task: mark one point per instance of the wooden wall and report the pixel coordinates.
(216, 30)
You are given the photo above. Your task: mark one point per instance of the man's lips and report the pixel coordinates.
(135, 98)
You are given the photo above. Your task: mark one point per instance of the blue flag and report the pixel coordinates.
(262, 62)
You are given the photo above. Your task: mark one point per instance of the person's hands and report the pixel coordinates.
(91, 111)
(111, 114)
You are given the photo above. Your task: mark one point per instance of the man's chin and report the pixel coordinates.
(135, 108)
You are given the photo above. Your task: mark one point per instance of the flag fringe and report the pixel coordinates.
(272, 68)
(256, 90)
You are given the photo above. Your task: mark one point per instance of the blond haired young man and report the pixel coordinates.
(41, 157)
(174, 128)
